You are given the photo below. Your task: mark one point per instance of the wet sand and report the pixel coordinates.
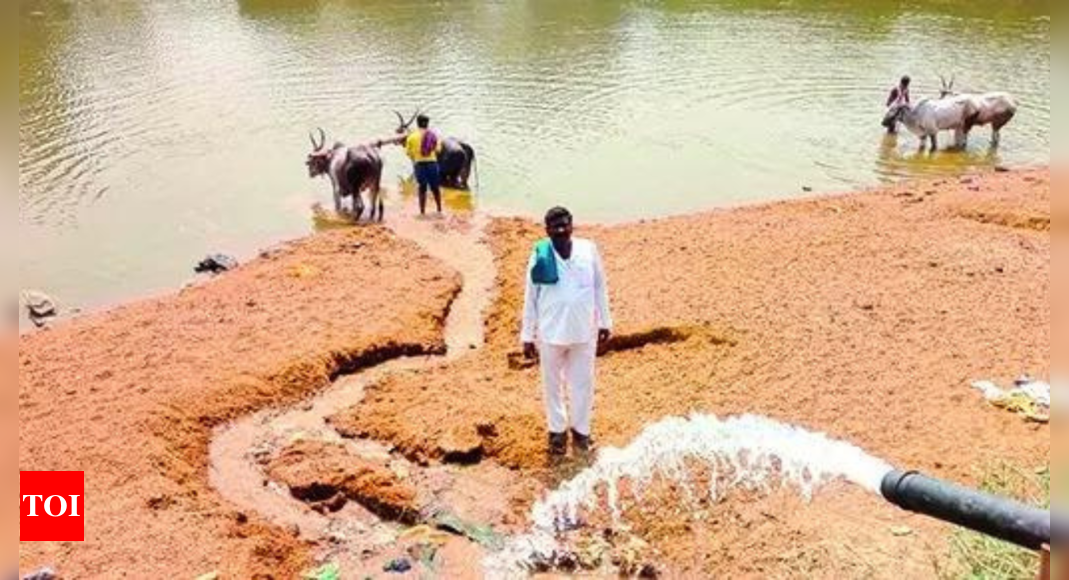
(132, 396)
(865, 316)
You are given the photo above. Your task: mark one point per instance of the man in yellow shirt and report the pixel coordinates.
(422, 147)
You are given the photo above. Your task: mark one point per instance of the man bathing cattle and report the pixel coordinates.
(951, 111)
(436, 161)
(445, 161)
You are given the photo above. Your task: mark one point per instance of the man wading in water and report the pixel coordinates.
(422, 147)
(899, 96)
(565, 317)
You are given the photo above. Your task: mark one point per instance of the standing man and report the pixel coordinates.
(565, 317)
(422, 147)
(899, 96)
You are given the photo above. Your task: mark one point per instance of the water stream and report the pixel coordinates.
(238, 450)
(746, 452)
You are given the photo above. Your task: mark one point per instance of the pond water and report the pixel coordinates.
(152, 132)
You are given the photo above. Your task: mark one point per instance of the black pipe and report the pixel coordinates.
(1002, 518)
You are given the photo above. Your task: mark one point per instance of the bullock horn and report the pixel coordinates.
(400, 118)
(322, 138)
(413, 119)
(312, 138)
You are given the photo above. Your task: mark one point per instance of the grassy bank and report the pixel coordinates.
(979, 557)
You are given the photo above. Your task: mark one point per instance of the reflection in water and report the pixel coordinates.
(899, 156)
(453, 200)
(154, 132)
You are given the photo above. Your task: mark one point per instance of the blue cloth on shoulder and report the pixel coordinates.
(545, 266)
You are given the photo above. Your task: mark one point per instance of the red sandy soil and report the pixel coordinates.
(131, 396)
(865, 316)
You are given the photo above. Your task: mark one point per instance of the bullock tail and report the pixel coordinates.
(472, 164)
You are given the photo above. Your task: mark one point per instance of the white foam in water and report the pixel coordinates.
(751, 452)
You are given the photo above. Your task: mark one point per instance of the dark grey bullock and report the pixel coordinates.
(352, 170)
(455, 161)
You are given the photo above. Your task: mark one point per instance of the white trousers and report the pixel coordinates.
(572, 365)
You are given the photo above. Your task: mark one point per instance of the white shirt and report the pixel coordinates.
(572, 310)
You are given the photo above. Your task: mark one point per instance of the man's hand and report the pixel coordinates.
(530, 351)
(604, 335)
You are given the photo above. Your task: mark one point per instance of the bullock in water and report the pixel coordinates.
(455, 159)
(352, 170)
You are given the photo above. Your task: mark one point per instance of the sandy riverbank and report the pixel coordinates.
(131, 396)
(864, 316)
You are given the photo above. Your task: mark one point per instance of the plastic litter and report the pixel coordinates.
(480, 534)
(398, 566)
(424, 534)
(42, 574)
(1029, 398)
(325, 572)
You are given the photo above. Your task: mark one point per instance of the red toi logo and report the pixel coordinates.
(52, 506)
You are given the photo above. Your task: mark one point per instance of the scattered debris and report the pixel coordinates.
(214, 575)
(423, 543)
(1028, 398)
(592, 552)
(1001, 169)
(901, 531)
(424, 534)
(40, 307)
(45, 573)
(424, 554)
(215, 264)
(325, 572)
(398, 566)
(480, 534)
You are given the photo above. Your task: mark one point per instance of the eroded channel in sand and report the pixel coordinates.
(354, 536)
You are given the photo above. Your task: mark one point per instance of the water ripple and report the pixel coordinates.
(201, 110)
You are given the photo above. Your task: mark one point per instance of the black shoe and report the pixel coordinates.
(558, 443)
(582, 443)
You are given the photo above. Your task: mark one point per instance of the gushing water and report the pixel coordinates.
(747, 452)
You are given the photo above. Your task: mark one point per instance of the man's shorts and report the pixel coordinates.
(427, 175)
